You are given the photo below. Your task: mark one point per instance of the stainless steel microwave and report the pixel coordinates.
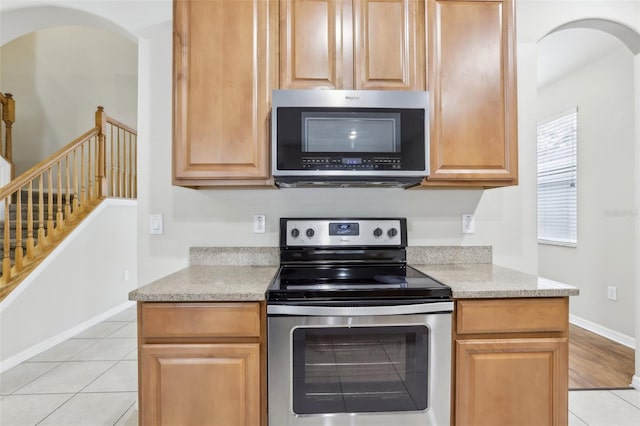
(349, 138)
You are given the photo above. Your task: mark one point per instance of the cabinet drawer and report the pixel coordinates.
(512, 316)
(200, 320)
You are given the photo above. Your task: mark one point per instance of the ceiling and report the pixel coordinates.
(564, 51)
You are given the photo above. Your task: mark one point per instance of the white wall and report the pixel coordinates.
(605, 255)
(58, 77)
(81, 279)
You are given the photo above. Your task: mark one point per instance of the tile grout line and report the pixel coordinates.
(55, 409)
(125, 413)
(627, 401)
(70, 359)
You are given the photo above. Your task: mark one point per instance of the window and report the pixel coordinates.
(557, 179)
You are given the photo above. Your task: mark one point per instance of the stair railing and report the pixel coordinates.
(61, 190)
(8, 113)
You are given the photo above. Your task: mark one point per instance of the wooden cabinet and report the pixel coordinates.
(511, 362)
(202, 361)
(352, 44)
(230, 54)
(472, 84)
(224, 68)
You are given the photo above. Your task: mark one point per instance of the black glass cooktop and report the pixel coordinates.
(360, 283)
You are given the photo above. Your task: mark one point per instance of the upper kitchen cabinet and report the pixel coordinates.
(472, 81)
(352, 44)
(224, 68)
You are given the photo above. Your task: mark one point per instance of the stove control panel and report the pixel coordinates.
(343, 232)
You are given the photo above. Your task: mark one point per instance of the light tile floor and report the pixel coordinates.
(91, 380)
(88, 380)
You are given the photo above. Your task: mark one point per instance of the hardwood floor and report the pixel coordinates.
(596, 362)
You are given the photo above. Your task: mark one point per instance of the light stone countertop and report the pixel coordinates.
(248, 283)
(244, 273)
(197, 283)
(476, 281)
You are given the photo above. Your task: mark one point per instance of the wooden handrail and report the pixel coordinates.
(60, 191)
(36, 170)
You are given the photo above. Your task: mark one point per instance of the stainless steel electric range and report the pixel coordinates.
(355, 335)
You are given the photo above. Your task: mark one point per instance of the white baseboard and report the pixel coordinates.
(51, 342)
(636, 382)
(610, 334)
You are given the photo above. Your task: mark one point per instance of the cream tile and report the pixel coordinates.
(133, 355)
(130, 418)
(23, 374)
(575, 421)
(28, 410)
(107, 350)
(64, 350)
(129, 330)
(129, 314)
(68, 377)
(122, 377)
(100, 330)
(603, 408)
(92, 409)
(631, 395)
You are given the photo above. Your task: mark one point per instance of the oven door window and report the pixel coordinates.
(360, 369)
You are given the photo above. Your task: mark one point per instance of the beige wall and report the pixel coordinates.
(58, 76)
(607, 215)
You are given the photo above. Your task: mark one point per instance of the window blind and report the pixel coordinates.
(557, 179)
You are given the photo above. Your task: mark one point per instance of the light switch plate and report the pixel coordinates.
(155, 224)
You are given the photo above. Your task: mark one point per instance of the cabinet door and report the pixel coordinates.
(352, 44)
(512, 382)
(472, 81)
(311, 54)
(197, 384)
(223, 75)
(389, 44)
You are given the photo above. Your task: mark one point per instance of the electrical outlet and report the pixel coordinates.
(155, 224)
(468, 224)
(125, 275)
(259, 224)
(612, 293)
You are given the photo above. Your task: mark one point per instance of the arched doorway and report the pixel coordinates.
(58, 76)
(596, 67)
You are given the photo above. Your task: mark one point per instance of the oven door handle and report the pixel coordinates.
(350, 311)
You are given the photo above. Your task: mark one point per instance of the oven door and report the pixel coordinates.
(360, 366)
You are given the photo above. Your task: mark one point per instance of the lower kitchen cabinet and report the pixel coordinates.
(215, 381)
(511, 362)
(202, 364)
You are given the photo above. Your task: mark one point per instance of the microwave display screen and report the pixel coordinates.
(324, 131)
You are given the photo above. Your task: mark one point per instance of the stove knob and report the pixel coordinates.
(295, 232)
(392, 232)
(377, 232)
(310, 232)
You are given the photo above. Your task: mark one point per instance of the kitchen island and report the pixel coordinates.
(202, 341)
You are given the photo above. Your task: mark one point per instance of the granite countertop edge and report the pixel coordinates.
(240, 283)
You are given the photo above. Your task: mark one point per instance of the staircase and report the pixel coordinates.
(35, 211)
(39, 208)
